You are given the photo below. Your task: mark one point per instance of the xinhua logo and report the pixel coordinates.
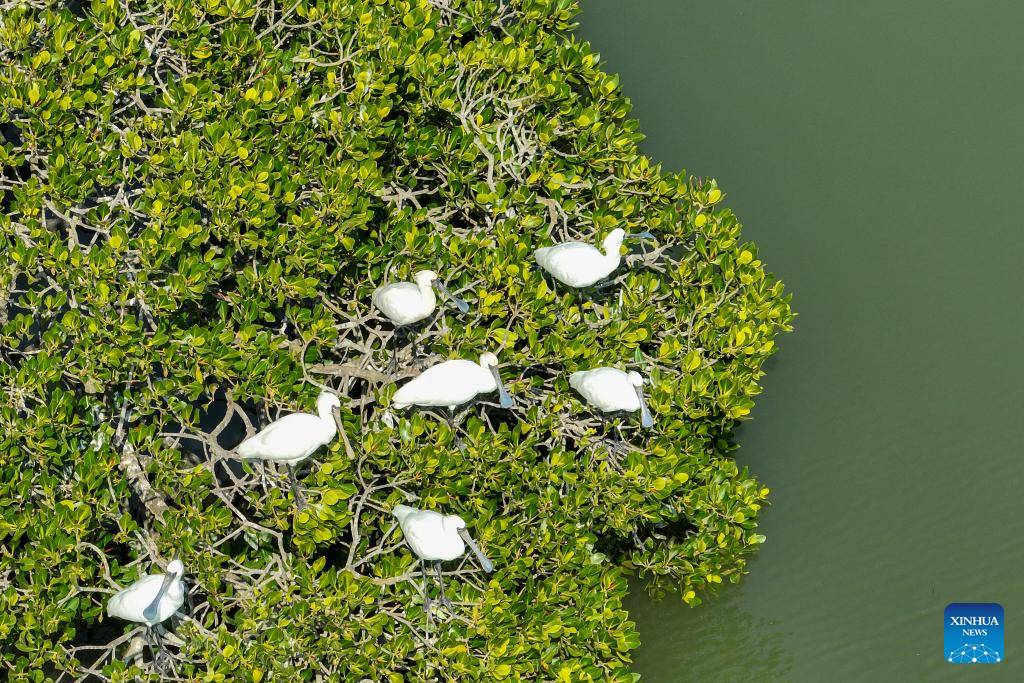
(974, 633)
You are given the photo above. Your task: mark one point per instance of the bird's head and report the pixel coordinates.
(175, 570)
(488, 361)
(637, 380)
(426, 278)
(614, 239)
(457, 523)
(328, 400)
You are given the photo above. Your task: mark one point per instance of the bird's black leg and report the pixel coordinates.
(622, 439)
(262, 467)
(156, 648)
(151, 642)
(444, 598)
(455, 430)
(412, 340)
(300, 499)
(426, 592)
(584, 298)
(615, 446)
(591, 294)
(396, 342)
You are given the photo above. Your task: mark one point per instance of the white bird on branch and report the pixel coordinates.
(452, 383)
(611, 390)
(437, 538)
(151, 600)
(578, 264)
(407, 303)
(293, 438)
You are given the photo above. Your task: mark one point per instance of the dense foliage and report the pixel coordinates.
(199, 197)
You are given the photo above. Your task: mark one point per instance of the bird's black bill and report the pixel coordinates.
(643, 236)
(461, 303)
(503, 397)
(153, 609)
(646, 420)
(487, 565)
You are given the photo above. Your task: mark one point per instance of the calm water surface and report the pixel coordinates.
(874, 150)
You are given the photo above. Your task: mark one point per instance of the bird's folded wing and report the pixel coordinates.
(286, 435)
(422, 529)
(600, 381)
(397, 295)
(568, 252)
(129, 602)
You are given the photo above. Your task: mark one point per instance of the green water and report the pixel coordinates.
(874, 150)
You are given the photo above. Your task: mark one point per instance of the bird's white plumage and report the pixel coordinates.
(431, 535)
(293, 438)
(449, 384)
(130, 603)
(578, 264)
(607, 389)
(405, 303)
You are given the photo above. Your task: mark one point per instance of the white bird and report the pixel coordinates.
(406, 303)
(578, 264)
(293, 438)
(437, 538)
(452, 383)
(152, 599)
(611, 390)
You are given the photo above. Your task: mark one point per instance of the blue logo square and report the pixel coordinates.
(974, 633)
